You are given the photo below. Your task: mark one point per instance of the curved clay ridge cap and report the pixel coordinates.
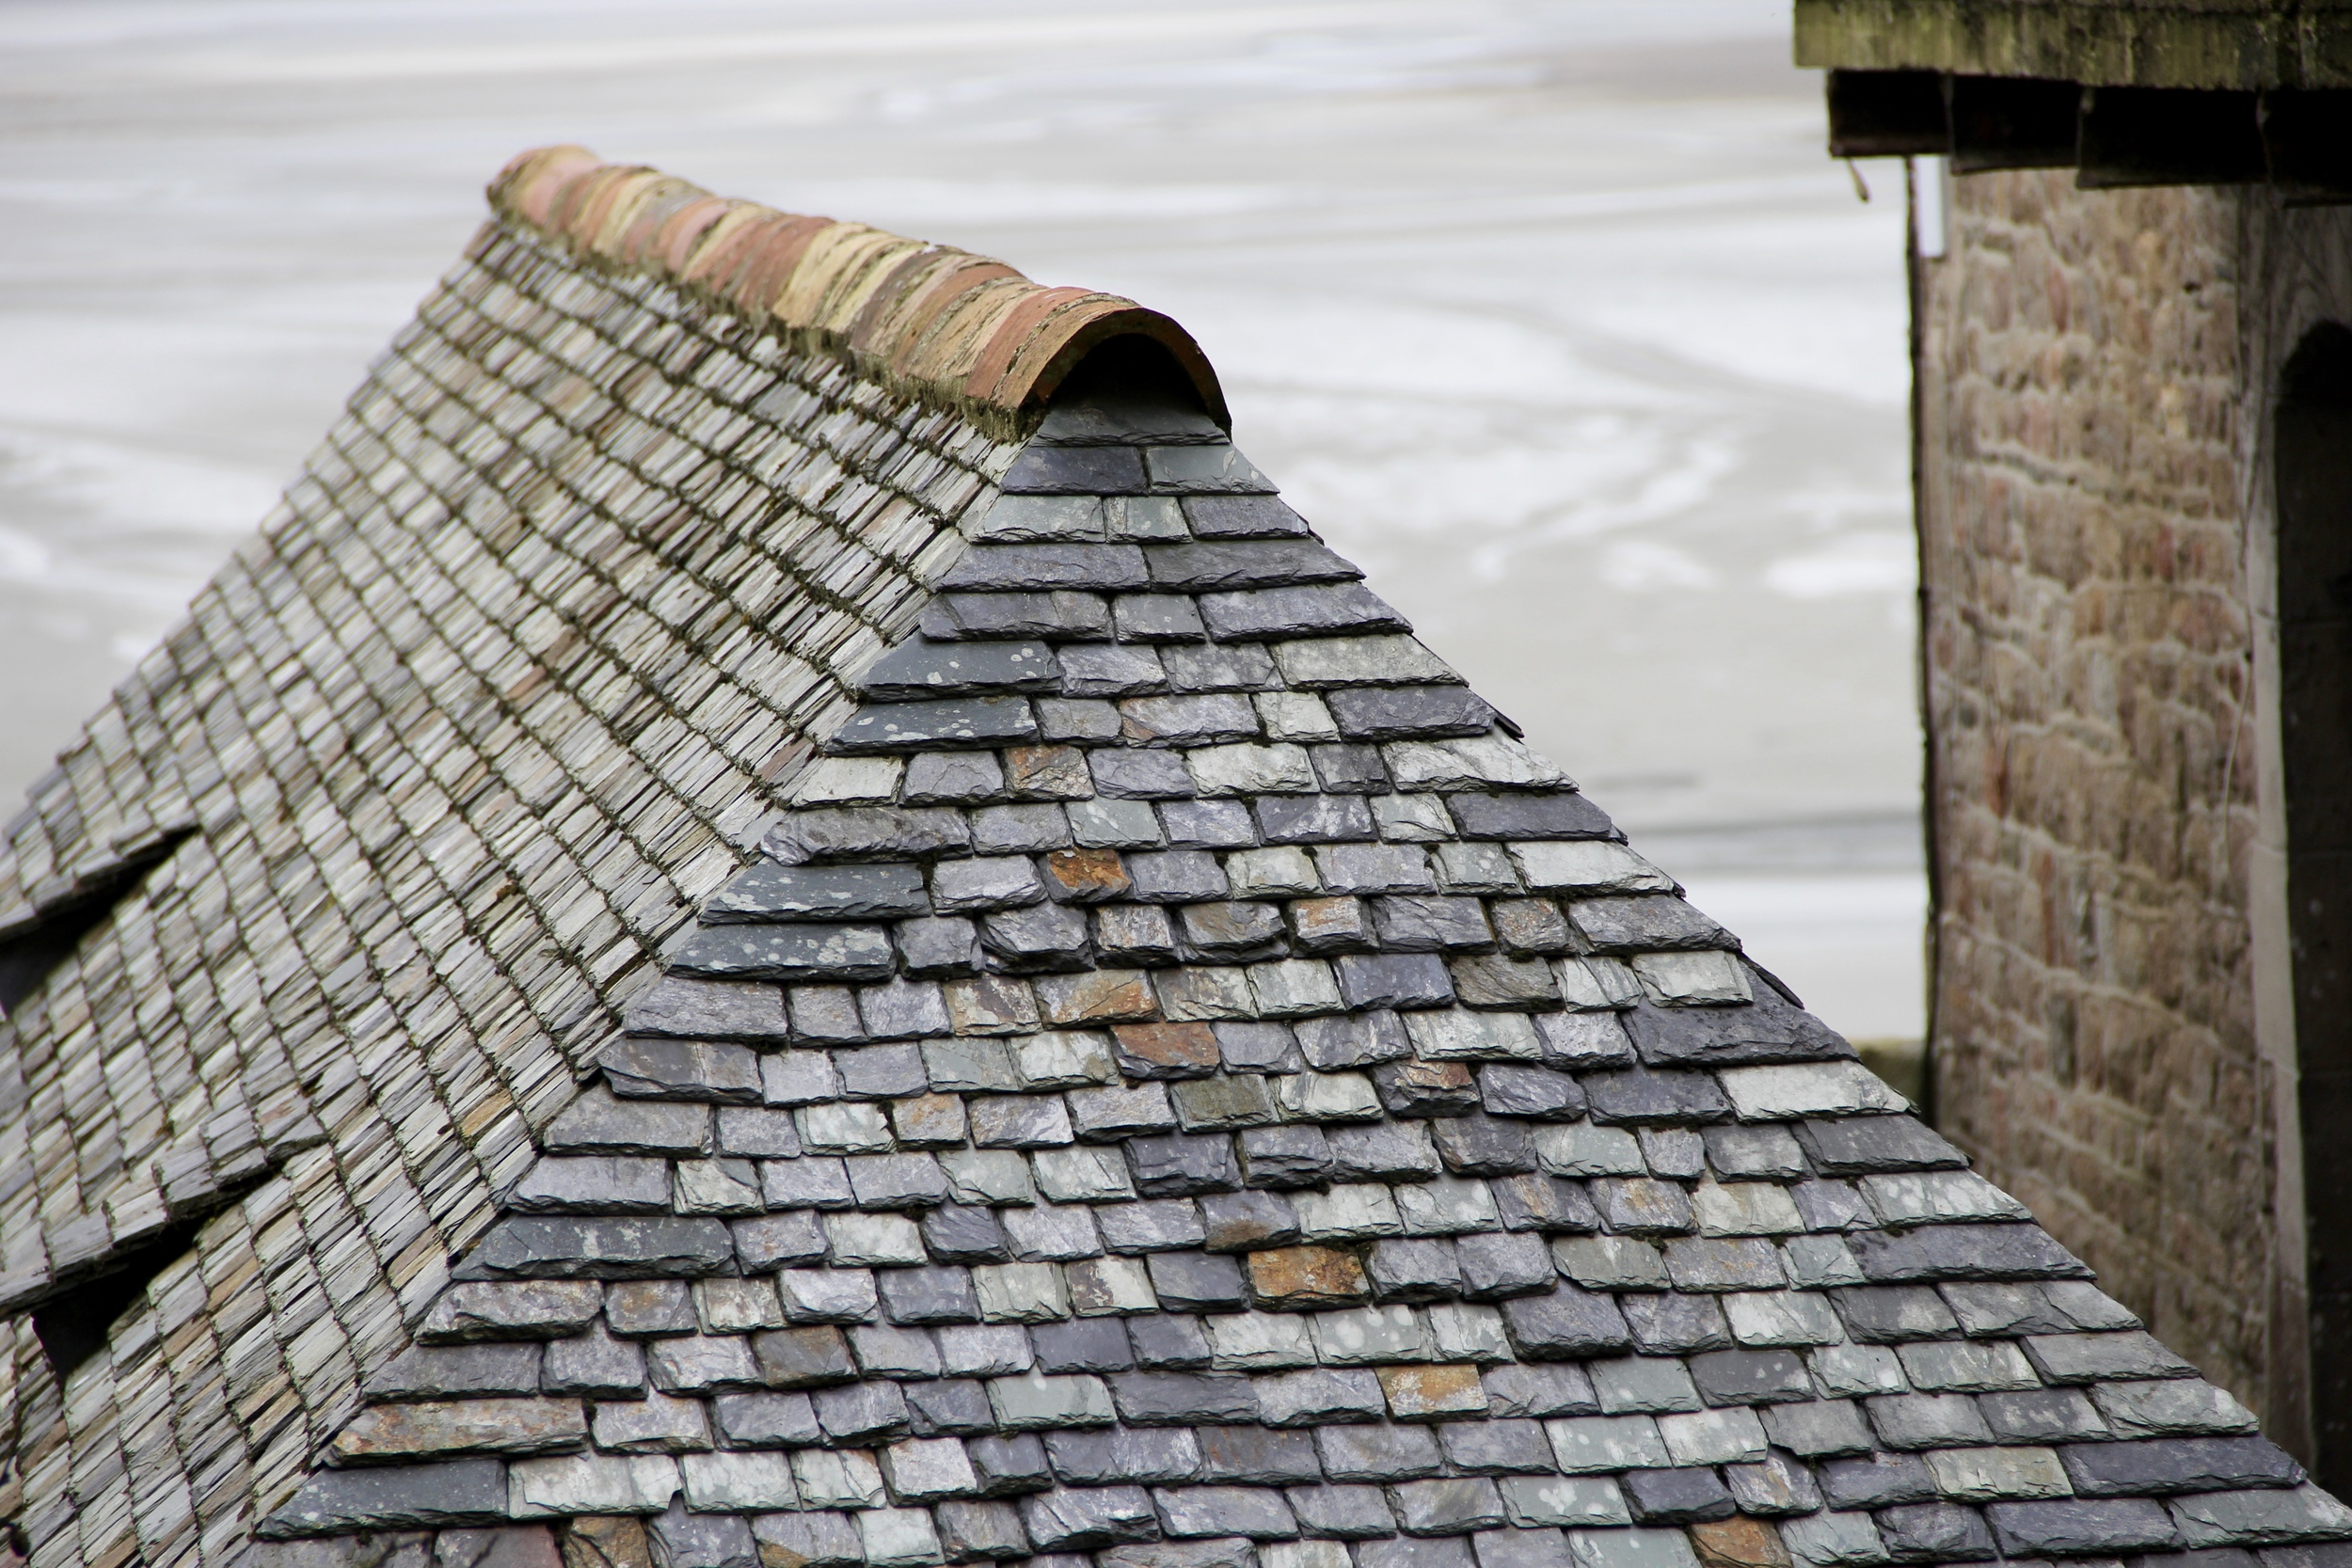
(941, 324)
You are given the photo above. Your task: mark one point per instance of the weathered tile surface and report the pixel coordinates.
(758, 956)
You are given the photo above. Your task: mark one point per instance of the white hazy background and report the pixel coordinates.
(1555, 317)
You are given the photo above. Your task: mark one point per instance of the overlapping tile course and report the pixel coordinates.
(1175, 1079)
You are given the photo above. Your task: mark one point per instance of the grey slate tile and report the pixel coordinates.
(1479, 1144)
(1456, 1505)
(786, 953)
(1183, 1164)
(1678, 1496)
(1539, 1094)
(2098, 1357)
(1876, 1480)
(1168, 1341)
(1392, 980)
(1321, 818)
(1861, 1145)
(1819, 1429)
(1403, 1270)
(867, 833)
(1319, 611)
(2071, 1527)
(1497, 1266)
(1094, 470)
(1009, 1466)
(2162, 1465)
(1539, 1201)
(462, 1492)
(1247, 1220)
(1258, 1456)
(1639, 1096)
(686, 1540)
(1497, 1445)
(1383, 1150)
(919, 668)
(1894, 1314)
(767, 891)
(1045, 568)
(1440, 923)
(2040, 1416)
(1355, 1514)
(927, 1295)
(1907, 1422)
(1676, 1322)
(1254, 517)
(688, 1008)
(1350, 770)
(1077, 1518)
(1139, 773)
(969, 1532)
(1935, 1532)
(1424, 1089)
(1157, 618)
(946, 722)
(456, 1371)
(1208, 824)
(1533, 814)
(1751, 1376)
(683, 1069)
(767, 1420)
(1204, 470)
(1377, 1453)
(1197, 1281)
(1216, 565)
(1966, 1251)
(1256, 1513)
(1766, 1030)
(1337, 1041)
(1569, 1324)
(1644, 922)
(1058, 615)
(1108, 1455)
(1182, 1399)
(1543, 1389)
(1218, 667)
(616, 1247)
(1109, 669)
(1319, 1396)
(1082, 1345)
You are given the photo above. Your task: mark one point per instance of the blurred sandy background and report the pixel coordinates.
(1555, 317)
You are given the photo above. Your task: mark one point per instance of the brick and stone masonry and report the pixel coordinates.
(2112, 1034)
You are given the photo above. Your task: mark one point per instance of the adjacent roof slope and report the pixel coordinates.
(762, 974)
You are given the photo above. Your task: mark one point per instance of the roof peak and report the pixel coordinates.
(951, 329)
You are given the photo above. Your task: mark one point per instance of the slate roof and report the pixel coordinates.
(766, 939)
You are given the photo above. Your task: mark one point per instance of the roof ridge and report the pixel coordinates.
(916, 317)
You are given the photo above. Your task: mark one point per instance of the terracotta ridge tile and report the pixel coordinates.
(683, 232)
(1012, 331)
(955, 337)
(765, 268)
(897, 325)
(837, 257)
(954, 330)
